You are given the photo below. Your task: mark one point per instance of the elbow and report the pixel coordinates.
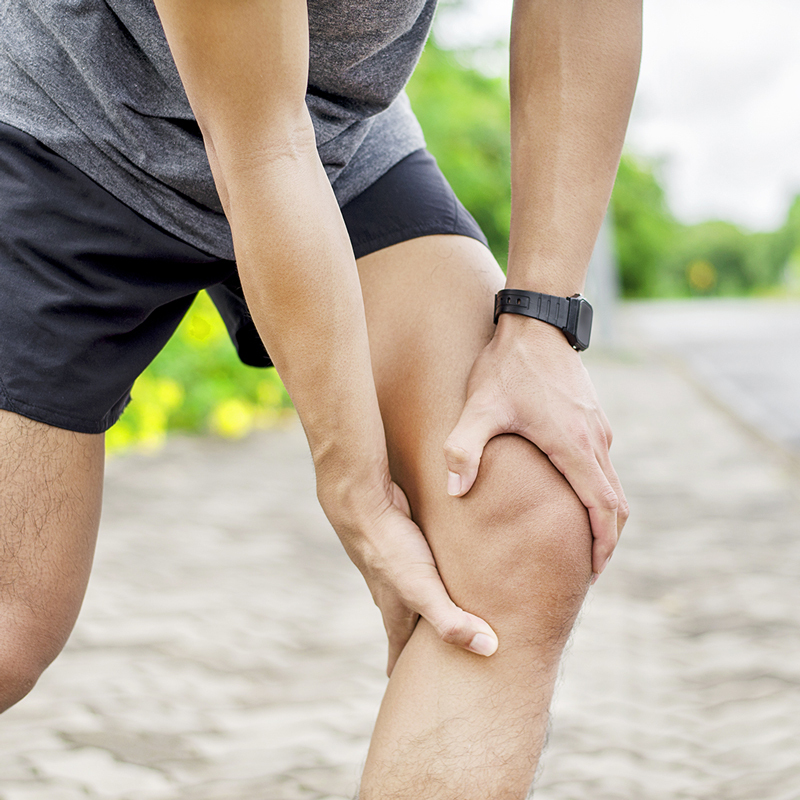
(238, 152)
(287, 135)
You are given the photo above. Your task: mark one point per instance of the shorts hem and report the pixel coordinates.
(372, 245)
(57, 419)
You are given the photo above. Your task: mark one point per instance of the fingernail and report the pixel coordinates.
(595, 576)
(605, 564)
(453, 484)
(483, 645)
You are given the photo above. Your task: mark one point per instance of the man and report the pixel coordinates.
(464, 466)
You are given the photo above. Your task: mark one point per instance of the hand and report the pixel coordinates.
(398, 566)
(529, 381)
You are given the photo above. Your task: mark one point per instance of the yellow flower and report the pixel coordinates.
(701, 275)
(233, 418)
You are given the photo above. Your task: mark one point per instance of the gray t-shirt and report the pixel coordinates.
(95, 81)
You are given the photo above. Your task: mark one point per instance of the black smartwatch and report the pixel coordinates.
(571, 315)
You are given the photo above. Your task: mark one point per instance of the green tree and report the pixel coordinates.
(659, 257)
(644, 228)
(718, 258)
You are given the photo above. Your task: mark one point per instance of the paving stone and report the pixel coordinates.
(41, 790)
(685, 673)
(97, 772)
(14, 767)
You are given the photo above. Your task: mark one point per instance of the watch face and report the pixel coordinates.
(583, 328)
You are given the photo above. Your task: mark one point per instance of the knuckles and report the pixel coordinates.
(623, 510)
(609, 499)
(451, 632)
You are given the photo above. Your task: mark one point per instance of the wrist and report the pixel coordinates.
(570, 315)
(353, 485)
(555, 271)
(515, 328)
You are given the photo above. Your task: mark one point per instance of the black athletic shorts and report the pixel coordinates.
(90, 291)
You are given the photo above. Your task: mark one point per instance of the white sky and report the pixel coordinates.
(718, 102)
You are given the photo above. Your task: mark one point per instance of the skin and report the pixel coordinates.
(50, 495)
(394, 395)
(516, 550)
(574, 67)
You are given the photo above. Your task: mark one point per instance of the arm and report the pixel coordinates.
(244, 64)
(574, 67)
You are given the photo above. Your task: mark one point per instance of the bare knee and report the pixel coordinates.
(35, 623)
(522, 555)
(23, 658)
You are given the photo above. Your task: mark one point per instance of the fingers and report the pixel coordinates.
(466, 631)
(603, 520)
(428, 598)
(452, 624)
(623, 510)
(464, 448)
(398, 634)
(587, 467)
(405, 584)
(603, 547)
(459, 628)
(597, 485)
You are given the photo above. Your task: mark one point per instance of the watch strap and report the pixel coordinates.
(545, 307)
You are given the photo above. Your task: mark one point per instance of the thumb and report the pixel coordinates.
(462, 629)
(453, 625)
(464, 448)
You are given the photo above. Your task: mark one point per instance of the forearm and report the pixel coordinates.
(574, 67)
(300, 279)
(244, 66)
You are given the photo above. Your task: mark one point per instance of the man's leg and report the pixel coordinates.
(50, 495)
(515, 551)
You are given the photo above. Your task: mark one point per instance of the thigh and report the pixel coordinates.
(50, 494)
(428, 303)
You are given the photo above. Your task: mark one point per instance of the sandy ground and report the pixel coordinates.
(227, 649)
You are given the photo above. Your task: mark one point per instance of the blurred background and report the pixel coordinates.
(706, 203)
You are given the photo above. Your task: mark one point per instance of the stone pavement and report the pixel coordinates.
(227, 649)
(742, 349)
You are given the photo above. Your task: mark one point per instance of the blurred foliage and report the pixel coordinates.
(659, 257)
(465, 118)
(644, 229)
(197, 383)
